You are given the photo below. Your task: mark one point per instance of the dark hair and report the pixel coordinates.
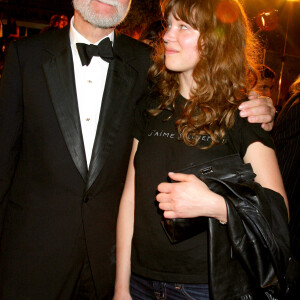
(153, 31)
(224, 74)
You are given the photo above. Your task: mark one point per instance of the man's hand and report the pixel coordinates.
(258, 109)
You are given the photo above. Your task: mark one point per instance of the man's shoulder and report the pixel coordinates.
(131, 42)
(43, 40)
(129, 47)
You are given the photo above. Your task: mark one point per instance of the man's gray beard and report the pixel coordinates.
(84, 8)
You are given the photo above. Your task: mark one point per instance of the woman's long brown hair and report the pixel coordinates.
(223, 76)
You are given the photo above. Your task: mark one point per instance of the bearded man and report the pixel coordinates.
(66, 129)
(66, 113)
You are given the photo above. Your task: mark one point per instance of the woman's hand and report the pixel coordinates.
(189, 197)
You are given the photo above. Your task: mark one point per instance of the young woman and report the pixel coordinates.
(202, 72)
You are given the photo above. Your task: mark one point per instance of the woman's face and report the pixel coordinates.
(181, 46)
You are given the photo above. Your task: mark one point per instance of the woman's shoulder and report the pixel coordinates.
(243, 133)
(243, 123)
(149, 101)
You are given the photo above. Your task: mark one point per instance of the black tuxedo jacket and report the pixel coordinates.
(53, 210)
(286, 134)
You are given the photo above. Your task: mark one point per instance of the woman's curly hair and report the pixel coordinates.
(224, 74)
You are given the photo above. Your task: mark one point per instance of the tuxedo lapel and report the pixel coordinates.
(59, 73)
(119, 84)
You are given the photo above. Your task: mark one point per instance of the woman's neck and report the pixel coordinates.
(186, 83)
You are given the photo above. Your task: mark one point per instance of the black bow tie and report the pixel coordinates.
(103, 49)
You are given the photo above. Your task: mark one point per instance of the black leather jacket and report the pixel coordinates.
(250, 253)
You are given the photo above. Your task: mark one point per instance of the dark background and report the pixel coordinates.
(32, 15)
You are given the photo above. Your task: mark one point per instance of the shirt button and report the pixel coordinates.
(87, 198)
(90, 81)
(87, 119)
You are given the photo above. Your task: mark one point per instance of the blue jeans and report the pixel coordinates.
(146, 289)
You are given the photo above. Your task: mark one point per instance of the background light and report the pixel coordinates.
(268, 20)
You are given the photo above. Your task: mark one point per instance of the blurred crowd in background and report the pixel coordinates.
(10, 31)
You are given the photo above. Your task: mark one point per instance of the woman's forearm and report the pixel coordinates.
(125, 226)
(124, 237)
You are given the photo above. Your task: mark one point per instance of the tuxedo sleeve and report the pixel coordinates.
(11, 120)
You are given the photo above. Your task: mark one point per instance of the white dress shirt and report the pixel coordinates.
(90, 83)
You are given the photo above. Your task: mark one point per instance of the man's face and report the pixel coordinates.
(265, 87)
(102, 13)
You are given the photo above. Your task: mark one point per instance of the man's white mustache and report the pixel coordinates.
(110, 2)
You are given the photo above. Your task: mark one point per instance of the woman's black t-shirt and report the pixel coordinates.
(159, 152)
